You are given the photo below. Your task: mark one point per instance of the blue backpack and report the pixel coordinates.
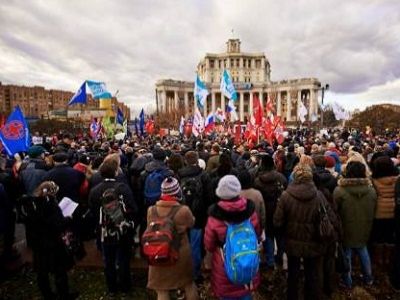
(240, 253)
(152, 186)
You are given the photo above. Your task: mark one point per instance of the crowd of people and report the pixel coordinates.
(311, 203)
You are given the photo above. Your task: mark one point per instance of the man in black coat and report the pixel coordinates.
(68, 179)
(196, 182)
(116, 252)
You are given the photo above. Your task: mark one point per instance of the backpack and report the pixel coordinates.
(160, 241)
(152, 186)
(113, 216)
(240, 253)
(325, 228)
(192, 192)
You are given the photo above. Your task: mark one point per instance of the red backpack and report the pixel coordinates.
(161, 241)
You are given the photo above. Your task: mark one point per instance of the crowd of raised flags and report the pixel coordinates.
(263, 122)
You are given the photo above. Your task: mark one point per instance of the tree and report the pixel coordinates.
(378, 117)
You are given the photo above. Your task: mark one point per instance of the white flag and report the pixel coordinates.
(181, 125)
(301, 114)
(198, 123)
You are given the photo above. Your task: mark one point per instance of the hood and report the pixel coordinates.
(322, 176)
(232, 211)
(304, 191)
(190, 171)
(139, 163)
(155, 165)
(356, 186)
(81, 167)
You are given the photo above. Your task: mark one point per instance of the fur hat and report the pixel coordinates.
(228, 187)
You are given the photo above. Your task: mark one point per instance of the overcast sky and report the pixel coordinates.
(352, 45)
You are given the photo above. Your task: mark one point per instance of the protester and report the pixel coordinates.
(231, 208)
(165, 278)
(33, 171)
(295, 214)
(356, 201)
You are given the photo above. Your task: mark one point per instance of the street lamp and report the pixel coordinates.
(323, 89)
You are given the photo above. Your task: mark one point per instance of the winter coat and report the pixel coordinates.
(271, 184)
(257, 198)
(32, 174)
(296, 215)
(47, 224)
(68, 180)
(196, 171)
(356, 201)
(384, 187)
(325, 182)
(234, 211)
(213, 162)
(97, 178)
(181, 273)
(397, 212)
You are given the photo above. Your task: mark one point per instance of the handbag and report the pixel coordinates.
(342, 263)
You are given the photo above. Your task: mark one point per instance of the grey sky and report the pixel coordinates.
(352, 45)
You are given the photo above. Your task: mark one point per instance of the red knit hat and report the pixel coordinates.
(330, 161)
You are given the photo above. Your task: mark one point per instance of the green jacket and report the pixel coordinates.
(356, 200)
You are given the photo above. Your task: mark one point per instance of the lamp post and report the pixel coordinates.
(323, 89)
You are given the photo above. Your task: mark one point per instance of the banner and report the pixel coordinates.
(15, 133)
(80, 96)
(98, 89)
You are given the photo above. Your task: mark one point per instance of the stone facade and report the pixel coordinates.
(38, 102)
(251, 74)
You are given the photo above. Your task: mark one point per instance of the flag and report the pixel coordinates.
(120, 116)
(209, 123)
(108, 127)
(269, 109)
(251, 132)
(94, 128)
(149, 126)
(257, 111)
(340, 112)
(141, 122)
(301, 114)
(227, 88)
(125, 126)
(80, 95)
(136, 126)
(198, 124)
(231, 109)
(200, 92)
(99, 89)
(15, 133)
(182, 125)
(219, 115)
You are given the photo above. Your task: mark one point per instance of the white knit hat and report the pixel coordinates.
(228, 187)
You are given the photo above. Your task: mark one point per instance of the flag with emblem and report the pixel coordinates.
(14, 135)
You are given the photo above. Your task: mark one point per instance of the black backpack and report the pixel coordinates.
(192, 193)
(114, 221)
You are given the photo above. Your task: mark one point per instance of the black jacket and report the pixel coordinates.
(196, 171)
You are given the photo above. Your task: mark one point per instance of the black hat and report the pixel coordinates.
(60, 157)
(159, 154)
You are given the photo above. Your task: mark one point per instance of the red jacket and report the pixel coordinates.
(214, 238)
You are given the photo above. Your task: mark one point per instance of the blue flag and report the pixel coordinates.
(227, 88)
(136, 127)
(80, 95)
(141, 122)
(15, 133)
(120, 116)
(200, 92)
(98, 89)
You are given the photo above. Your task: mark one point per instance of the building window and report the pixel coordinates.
(232, 63)
(237, 62)
(212, 63)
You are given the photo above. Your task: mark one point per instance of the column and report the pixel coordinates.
(279, 104)
(250, 112)
(186, 99)
(241, 107)
(163, 101)
(313, 105)
(213, 102)
(289, 107)
(260, 97)
(298, 102)
(176, 99)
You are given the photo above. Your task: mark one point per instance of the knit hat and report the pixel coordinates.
(35, 151)
(228, 187)
(302, 173)
(60, 157)
(330, 161)
(170, 186)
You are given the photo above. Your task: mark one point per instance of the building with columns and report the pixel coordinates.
(251, 74)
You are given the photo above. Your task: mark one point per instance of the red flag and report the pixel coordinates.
(149, 126)
(269, 131)
(257, 111)
(251, 132)
(269, 107)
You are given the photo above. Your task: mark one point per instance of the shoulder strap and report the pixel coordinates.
(173, 211)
